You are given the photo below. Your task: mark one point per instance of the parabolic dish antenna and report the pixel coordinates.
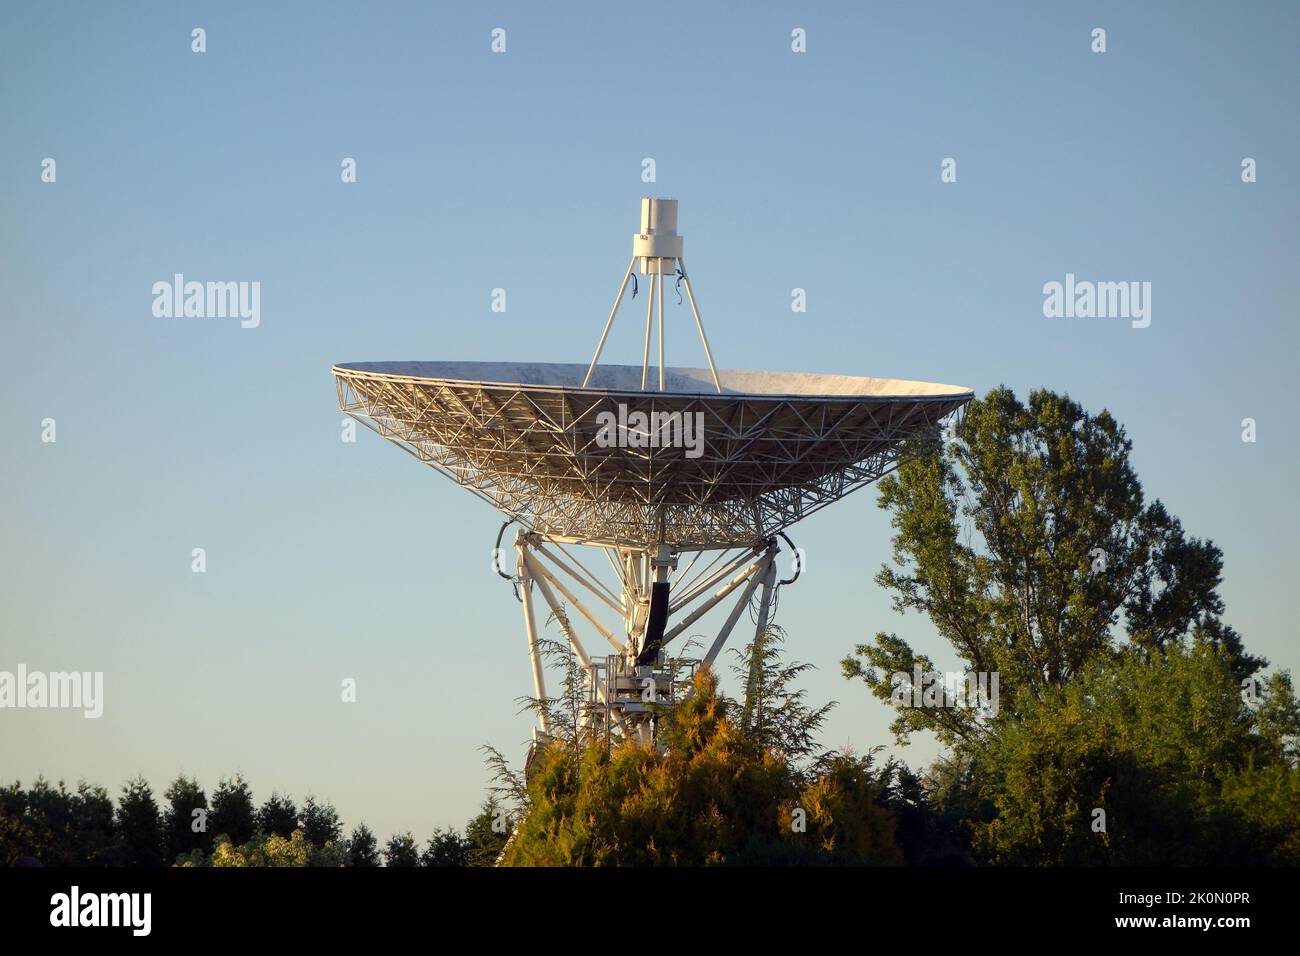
(653, 464)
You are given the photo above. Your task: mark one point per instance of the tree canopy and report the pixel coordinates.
(1131, 717)
(709, 793)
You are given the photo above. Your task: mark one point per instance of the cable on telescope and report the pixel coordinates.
(496, 565)
(756, 602)
(798, 564)
(677, 286)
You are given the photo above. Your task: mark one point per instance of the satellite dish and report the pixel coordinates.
(656, 470)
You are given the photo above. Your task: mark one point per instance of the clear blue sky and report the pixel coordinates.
(522, 171)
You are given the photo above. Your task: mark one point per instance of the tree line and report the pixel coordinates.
(51, 825)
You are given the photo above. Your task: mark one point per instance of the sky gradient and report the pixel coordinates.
(522, 171)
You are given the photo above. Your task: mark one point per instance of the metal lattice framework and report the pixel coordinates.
(709, 461)
(535, 452)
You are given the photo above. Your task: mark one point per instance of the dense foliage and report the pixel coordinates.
(1132, 727)
(52, 826)
(709, 793)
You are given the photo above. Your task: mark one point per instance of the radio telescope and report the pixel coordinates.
(661, 468)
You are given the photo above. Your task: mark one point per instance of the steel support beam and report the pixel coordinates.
(531, 631)
(708, 605)
(699, 324)
(740, 606)
(600, 346)
(764, 609)
(540, 571)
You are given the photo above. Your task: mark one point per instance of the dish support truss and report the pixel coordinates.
(533, 453)
(658, 604)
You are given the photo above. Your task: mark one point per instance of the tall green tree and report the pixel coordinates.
(140, 837)
(49, 813)
(446, 848)
(363, 848)
(278, 816)
(186, 831)
(1026, 542)
(17, 842)
(232, 810)
(401, 850)
(1130, 718)
(773, 712)
(320, 822)
(487, 833)
(93, 829)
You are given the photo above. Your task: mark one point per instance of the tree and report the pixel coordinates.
(93, 831)
(402, 851)
(363, 848)
(51, 826)
(277, 850)
(186, 831)
(487, 833)
(1120, 735)
(846, 821)
(278, 816)
(1025, 543)
(232, 810)
(268, 851)
(320, 822)
(263, 851)
(335, 853)
(773, 713)
(709, 795)
(1212, 631)
(140, 837)
(928, 832)
(446, 848)
(49, 815)
(1141, 762)
(1277, 714)
(17, 842)
(1268, 801)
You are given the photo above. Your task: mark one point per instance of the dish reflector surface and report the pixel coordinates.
(768, 450)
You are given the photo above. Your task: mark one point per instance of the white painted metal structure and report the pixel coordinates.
(708, 467)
